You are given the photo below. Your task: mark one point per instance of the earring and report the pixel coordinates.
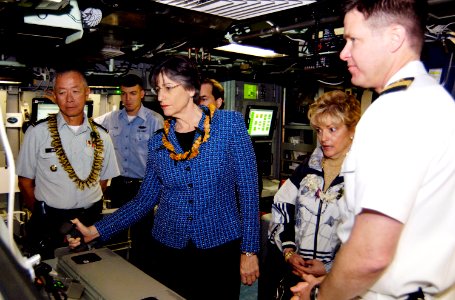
(352, 137)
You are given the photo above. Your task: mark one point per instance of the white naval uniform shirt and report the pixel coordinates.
(402, 164)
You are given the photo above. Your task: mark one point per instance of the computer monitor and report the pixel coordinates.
(42, 107)
(260, 121)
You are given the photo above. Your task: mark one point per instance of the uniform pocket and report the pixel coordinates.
(115, 136)
(49, 164)
(142, 136)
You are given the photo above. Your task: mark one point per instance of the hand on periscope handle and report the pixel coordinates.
(90, 233)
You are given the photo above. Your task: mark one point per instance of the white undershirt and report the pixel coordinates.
(74, 128)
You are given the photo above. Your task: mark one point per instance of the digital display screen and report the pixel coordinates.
(43, 110)
(42, 107)
(250, 91)
(261, 121)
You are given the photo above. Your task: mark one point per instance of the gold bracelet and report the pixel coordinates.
(288, 255)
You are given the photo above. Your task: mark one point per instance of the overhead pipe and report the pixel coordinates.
(277, 29)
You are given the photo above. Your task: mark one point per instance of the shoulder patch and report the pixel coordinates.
(399, 85)
(39, 121)
(100, 126)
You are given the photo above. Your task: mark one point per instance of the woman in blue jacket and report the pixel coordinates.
(197, 164)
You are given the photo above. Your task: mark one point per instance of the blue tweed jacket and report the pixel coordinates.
(197, 198)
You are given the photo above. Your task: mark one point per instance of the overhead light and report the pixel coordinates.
(10, 63)
(52, 4)
(12, 72)
(250, 50)
(9, 82)
(104, 87)
(237, 10)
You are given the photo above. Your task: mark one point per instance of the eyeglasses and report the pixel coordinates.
(167, 89)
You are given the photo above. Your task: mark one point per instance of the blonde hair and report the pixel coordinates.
(338, 105)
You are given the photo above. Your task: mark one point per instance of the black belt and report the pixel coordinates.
(126, 180)
(45, 210)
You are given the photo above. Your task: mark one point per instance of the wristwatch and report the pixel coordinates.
(314, 292)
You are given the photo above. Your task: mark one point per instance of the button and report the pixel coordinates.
(190, 218)
(190, 185)
(187, 168)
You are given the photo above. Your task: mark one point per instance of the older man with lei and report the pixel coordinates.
(63, 166)
(205, 240)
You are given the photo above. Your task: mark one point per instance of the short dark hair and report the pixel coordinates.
(130, 80)
(181, 69)
(217, 89)
(412, 14)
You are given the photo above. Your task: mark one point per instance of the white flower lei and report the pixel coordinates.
(312, 186)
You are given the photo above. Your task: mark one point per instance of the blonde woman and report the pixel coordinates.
(305, 210)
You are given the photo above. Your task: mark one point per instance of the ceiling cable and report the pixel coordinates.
(277, 29)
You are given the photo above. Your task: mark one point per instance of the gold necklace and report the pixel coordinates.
(97, 142)
(194, 151)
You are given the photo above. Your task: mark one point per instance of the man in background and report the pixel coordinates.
(212, 92)
(397, 233)
(130, 129)
(63, 166)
